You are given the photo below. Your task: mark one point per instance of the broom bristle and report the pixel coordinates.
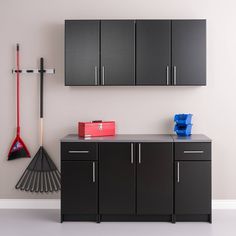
(18, 150)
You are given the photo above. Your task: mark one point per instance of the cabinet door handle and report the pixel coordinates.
(75, 151)
(139, 153)
(96, 75)
(132, 153)
(94, 173)
(103, 75)
(177, 172)
(167, 75)
(174, 74)
(194, 152)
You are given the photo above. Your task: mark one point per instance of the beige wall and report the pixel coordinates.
(39, 27)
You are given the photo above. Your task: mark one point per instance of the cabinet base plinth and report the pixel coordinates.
(194, 218)
(138, 218)
(79, 217)
(113, 218)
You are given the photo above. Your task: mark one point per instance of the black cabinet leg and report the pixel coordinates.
(210, 218)
(173, 218)
(98, 219)
(62, 218)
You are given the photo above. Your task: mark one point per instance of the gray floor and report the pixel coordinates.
(46, 223)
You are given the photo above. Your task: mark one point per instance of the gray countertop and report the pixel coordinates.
(191, 138)
(138, 138)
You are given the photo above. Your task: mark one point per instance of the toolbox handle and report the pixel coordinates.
(96, 121)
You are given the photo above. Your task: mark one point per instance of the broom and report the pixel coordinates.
(41, 175)
(18, 148)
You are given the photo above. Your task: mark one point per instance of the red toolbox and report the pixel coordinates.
(96, 128)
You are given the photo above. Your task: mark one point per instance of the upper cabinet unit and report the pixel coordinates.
(135, 52)
(117, 52)
(189, 52)
(153, 52)
(81, 52)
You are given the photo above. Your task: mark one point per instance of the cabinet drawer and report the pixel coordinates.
(78, 151)
(192, 151)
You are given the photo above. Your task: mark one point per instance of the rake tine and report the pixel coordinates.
(41, 182)
(54, 186)
(26, 180)
(30, 181)
(56, 180)
(36, 186)
(50, 183)
(20, 182)
(45, 181)
(58, 176)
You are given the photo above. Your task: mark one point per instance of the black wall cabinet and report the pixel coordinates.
(153, 52)
(189, 52)
(82, 52)
(117, 52)
(135, 52)
(155, 179)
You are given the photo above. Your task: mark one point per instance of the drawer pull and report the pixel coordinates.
(139, 153)
(132, 153)
(78, 152)
(177, 172)
(94, 180)
(193, 152)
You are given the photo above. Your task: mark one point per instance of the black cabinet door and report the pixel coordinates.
(189, 52)
(116, 178)
(155, 178)
(193, 187)
(79, 194)
(117, 52)
(81, 52)
(153, 52)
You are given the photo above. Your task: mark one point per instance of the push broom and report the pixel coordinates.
(41, 175)
(18, 148)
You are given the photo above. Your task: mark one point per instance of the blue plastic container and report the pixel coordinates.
(183, 130)
(183, 119)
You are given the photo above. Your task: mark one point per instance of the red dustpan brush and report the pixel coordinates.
(18, 148)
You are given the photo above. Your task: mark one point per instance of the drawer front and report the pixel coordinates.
(79, 151)
(192, 151)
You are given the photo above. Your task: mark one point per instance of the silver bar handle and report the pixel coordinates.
(139, 153)
(175, 76)
(96, 75)
(94, 179)
(167, 75)
(193, 152)
(177, 172)
(78, 151)
(103, 75)
(132, 153)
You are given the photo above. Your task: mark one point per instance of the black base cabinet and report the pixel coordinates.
(116, 179)
(155, 179)
(144, 179)
(193, 181)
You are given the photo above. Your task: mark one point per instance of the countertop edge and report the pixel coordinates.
(157, 138)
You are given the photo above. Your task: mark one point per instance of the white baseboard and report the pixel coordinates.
(55, 204)
(224, 204)
(29, 204)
